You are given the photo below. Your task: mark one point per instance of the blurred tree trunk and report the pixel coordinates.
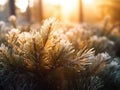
(12, 7)
(28, 12)
(40, 7)
(81, 11)
(37, 12)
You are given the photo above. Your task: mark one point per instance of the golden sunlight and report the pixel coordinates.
(52, 2)
(87, 1)
(3, 2)
(23, 4)
(66, 7)
(66, 4)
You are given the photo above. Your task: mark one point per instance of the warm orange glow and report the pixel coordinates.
(53, 2)
(66, 7)
(3, 2)
(23, 4)
(88, 1)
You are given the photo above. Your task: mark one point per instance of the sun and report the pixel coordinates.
(88, 1)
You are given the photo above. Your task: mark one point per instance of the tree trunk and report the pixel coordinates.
(81, 11)
(12, 7)
(40, 7)
(28, 13)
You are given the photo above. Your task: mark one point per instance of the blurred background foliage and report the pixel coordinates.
(110, 7)
(35, 11)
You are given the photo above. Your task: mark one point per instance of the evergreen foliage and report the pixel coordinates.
(55, 56)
